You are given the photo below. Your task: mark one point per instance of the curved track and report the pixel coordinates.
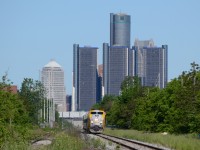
(131, 144)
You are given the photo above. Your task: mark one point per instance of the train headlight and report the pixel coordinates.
(92, 121)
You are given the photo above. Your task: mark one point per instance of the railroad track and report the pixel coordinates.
(131, 144)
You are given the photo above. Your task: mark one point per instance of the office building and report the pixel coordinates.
(115, 66)
(52, 77)
(69, 102)
(118, 59)
(85, 78)
(151, 63)
(99, 83)
(120, 29)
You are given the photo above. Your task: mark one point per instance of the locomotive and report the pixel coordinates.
(94, 121)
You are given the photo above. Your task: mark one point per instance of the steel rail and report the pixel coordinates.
(131, 144)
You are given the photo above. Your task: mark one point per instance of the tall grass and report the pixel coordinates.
(68, 138)
(64, 141)
(178, 142)
(13, 145)
(61, 139)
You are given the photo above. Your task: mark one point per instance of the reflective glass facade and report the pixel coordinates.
(115, 68)
(117, 58)
(85, 77)
(152, 65)
(120, 29)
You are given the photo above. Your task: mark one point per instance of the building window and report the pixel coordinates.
(121, 17)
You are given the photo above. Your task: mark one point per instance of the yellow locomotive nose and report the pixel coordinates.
(94, 120)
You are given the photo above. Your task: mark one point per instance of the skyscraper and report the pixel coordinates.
(117, 58)
(52, 77)
(69, 102)
(120, 29)
(84, 77)
(115, 68)
(151, 63)
(99, 83)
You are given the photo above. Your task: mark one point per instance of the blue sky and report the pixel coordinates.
(33, 32)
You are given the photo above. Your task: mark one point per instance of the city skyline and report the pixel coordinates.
(31, 33)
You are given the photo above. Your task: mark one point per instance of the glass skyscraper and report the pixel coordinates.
(117, 58)
(151, 63)
(115, 68)
(120, 29)
(85, 78)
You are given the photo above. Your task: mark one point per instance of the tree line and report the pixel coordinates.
(20, 112)
(174, 109)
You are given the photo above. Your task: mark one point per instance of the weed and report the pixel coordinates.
(117, 147)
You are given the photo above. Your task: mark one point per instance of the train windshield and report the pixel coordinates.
(97, 113)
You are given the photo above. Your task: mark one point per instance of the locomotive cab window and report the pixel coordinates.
(97, 113)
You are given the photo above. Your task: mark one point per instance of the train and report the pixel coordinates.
(94, 121)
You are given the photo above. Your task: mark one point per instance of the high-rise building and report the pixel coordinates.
(84, 78)
(99, 83)
(69, 102)
(120, 29)
(151, 63)
(118, 59)
(52, 77)
(115, 66)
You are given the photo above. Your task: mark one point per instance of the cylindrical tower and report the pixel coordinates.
(120, 29)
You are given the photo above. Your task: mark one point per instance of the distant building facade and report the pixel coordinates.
(85, 78)
(118, 59)
(151, 63)
(115, 66)
(99, 83)
(11, 89)
(69, 102)
(52, 77)
(120, 29)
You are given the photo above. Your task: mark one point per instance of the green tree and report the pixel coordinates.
(33, 93)
(124, 107)
(106, 103)
(146, 110)
(5, 83)
(12, 109)
(13, 115)
(174, 109)
(186, 101)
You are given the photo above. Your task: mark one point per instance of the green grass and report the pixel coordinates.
(96, 144)
(178, 142)
(63, 141)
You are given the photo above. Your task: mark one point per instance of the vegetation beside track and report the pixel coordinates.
(174, 109)
(177, 142)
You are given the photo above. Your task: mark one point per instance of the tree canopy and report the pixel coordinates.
(174, 109)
